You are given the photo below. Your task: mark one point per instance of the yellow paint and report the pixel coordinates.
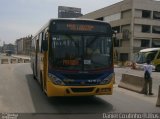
(57, 90)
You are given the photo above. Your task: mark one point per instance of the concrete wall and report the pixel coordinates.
(138, 13)
(137, 28)
(137, 43)
(126, 14)
(113, 17)
(124, 27)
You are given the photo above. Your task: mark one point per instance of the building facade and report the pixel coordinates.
(68, 12)
(23, 45)
(8, 47)
(137, 23)
(1, 49)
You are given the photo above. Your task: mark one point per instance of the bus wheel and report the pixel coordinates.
(158, 68)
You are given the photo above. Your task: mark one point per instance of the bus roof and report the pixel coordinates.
(68, 19)
(149, 49)
(80, 19)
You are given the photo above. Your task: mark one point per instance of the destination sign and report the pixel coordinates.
(80, 27)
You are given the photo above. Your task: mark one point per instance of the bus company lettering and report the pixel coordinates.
(131, 115)
(80, 27)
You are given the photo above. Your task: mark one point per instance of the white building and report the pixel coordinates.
(137, 23)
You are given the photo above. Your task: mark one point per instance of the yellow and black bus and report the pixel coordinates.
(74, 57)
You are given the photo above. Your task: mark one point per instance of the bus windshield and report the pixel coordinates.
(143, 56)
(80, 52)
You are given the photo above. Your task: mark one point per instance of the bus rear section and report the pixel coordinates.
(79, 59)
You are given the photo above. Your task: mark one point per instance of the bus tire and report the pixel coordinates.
(158, 68)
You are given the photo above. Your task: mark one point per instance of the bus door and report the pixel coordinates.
(36, 57)
(45, 61)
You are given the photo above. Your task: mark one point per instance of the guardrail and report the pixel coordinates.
(132, 82)
(21, 57)
(4, 61)
(26, 60)
(13, 60)
(158, 99)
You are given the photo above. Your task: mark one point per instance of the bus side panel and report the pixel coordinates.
(45, 71)
(45, 63)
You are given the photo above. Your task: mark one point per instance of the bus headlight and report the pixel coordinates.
(107, 80)
(55, 79)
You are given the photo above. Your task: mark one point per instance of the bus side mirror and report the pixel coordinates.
(45, 45)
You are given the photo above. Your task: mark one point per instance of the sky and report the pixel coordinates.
(21, 18)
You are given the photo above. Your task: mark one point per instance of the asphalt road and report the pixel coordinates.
(20, 93)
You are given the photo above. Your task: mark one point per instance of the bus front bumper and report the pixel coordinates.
(57, 90)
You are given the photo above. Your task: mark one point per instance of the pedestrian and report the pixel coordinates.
(148, 78)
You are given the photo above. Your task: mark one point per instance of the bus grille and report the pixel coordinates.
(77, 90)
(81, 84)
